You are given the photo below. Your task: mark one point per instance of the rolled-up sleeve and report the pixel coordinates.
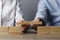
(42, 10)
(19, 12)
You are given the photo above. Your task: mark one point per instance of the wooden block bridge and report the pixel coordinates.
(41, 30)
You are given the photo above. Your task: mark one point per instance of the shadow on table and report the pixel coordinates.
(31, 31)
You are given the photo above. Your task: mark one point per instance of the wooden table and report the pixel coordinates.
(28, 37)
(49, 37)
(19, 37)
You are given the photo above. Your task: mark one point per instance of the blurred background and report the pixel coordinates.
(29, 8)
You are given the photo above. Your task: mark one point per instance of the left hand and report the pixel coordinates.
(24, 27)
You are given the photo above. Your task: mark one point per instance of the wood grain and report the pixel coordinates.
(48, 30)
(15, 30)
(29, 22)
(3, 30)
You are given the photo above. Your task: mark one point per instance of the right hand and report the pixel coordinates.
(34, 26)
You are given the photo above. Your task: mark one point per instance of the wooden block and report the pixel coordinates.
(42, 30)
(36, 23)
(29, 22)
(15, 30)
(3, 33)
(48, 30)
(21, 23)
(3, 30)
(55, 30)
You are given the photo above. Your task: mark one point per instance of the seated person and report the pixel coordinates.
(48, 12)
(10, 12)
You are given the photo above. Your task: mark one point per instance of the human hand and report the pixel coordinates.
(24, 26)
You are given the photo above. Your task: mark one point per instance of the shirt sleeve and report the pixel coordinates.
(19, 12)
(42, 10)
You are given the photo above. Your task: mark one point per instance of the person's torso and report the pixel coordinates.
(53, 7)
(8, 11)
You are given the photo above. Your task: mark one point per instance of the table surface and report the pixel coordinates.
(30, 36)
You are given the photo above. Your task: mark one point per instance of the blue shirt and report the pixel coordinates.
(49, 11)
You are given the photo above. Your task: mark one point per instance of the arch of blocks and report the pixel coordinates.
(41, 30)
(15, 30)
